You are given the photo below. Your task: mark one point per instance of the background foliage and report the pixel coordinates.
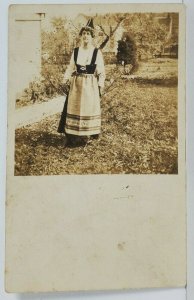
(147, 38)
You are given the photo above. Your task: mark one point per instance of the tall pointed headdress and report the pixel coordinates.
(89, 26)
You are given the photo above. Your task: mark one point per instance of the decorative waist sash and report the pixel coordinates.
(87, 69)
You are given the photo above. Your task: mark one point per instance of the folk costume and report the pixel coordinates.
(83, 108)
(86, 74)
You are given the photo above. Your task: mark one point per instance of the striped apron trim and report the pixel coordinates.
(77, 128)
(83, 117)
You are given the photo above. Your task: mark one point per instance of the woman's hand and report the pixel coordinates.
(101, 89)
(67, 82)
(66, 86)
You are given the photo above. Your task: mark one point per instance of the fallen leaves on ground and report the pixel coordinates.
(139, 136)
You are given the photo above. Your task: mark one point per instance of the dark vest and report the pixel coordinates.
(87, 69)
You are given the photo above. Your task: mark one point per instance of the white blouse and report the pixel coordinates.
(84, 58)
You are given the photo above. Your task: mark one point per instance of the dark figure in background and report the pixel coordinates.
(126, 52)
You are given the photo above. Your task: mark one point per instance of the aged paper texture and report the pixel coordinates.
(108, 211)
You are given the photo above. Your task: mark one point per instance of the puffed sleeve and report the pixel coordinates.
(100, 69)
(70, 68)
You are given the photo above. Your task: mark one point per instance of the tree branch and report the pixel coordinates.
(104, 42)
(112, 31)
(103, 30)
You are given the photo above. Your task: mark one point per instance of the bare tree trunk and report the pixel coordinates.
(110, 35)
(104, 42)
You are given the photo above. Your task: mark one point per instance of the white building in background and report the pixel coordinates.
(25, 53)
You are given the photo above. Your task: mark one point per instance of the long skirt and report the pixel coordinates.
(83, 109)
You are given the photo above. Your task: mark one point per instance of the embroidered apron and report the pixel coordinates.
(83, 108)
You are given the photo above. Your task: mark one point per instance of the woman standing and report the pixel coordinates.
(86, 76)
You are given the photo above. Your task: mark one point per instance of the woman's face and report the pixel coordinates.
(86, 36)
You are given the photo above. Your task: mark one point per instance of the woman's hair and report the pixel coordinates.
(87, 28)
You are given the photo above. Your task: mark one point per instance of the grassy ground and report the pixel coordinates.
(139, 136)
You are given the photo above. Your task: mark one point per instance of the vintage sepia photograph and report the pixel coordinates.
(96, 91)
